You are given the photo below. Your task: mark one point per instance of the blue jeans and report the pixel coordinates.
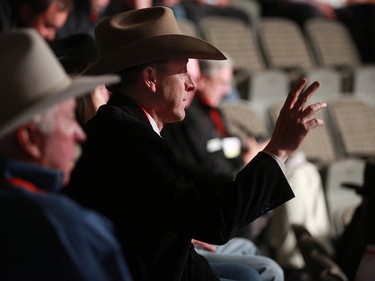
(243, 251)
(235, 272)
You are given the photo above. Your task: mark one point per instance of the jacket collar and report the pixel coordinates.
(129, 106)
(46, 179)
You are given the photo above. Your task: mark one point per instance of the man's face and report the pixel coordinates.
(195, 72)
(50, 21)
(60, 149)
(173, 88)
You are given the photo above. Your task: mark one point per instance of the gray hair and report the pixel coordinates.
(208, 67)
(44, 121)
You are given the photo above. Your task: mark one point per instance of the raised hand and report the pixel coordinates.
(295, 120)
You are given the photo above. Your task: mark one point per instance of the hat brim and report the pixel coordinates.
(153, 49)
(78, 86)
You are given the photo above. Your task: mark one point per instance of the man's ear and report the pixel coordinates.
(149, 78)
(29, 140)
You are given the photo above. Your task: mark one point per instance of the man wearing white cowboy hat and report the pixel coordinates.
(44, 235)
(157, 218)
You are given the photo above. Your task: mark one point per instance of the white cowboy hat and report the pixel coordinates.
(145, 35)
(32, 79)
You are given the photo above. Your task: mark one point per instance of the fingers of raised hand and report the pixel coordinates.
(309, 111)
(297, 98)
(295, 92)
(302, 116)
(305, 95)
(295, 120)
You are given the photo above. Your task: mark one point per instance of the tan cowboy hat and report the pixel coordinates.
(145, 35)
(32, 79)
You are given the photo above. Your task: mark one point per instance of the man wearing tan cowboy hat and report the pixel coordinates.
(129, 173)
(44, 235)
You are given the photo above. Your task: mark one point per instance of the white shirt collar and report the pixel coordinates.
(152, 121)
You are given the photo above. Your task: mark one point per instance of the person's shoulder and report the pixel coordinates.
(110, 119)
(119, 119)
(63, 211)
(55, 213)
(120, 113)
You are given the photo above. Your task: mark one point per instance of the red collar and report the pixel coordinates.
(20, 183)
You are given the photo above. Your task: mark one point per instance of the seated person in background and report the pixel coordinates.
(85, 16)
(310, 209)
(202, 141)
(75, 53)
(157, 219)
(45, 235)
(46, 16)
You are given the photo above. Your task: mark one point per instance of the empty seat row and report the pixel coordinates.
(280, 44)
(349, 130)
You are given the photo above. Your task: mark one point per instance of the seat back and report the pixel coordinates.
(188, 27)
(332, 43)
(330, 82)
(319, 145)
(284, 45)
(269, 86)
(235, 38)
(342, 201)
(364, 80)
(354, 124)
(243, 119)
(364, 83)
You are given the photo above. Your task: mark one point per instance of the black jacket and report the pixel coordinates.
(189, 141)
(129, 173)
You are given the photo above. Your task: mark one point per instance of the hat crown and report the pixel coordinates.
(142, 36)
(133, 26)
(32, 79)
(28, 71)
